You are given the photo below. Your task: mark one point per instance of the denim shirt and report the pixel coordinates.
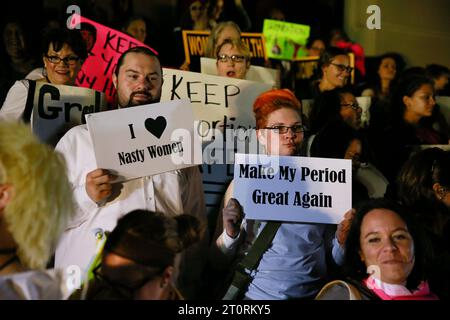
(294, 266)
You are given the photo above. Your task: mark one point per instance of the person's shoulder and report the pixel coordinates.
(338, 290)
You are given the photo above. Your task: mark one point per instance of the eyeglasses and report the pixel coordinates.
(234, 58)
(121, 289)
(354, 106)
(284, 129)
(342, 67)
(71, 60)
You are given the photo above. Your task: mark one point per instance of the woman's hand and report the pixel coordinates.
(232, 217)
(344, 226)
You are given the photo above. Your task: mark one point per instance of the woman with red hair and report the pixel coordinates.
(294, 265)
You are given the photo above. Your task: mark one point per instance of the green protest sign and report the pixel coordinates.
(285, 40)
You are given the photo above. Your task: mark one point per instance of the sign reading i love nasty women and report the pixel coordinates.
(297, 189)
(145, 140)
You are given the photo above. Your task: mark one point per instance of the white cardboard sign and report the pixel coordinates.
(145, 140)
(218, 103)
(297, 189)
(254, 73)
(57, 108)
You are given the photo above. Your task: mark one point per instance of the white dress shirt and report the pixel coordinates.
(172, 193)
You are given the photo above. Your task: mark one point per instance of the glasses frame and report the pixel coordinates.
(65, 60)
(119, 287)
(285, 129)
(342, 67)
(354, 106)
(235, 58)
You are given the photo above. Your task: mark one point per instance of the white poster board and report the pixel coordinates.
(218, 103)
(254, 73)
(297, 189)
(57, 108)
(145, 140)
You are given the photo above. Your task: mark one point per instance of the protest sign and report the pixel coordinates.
(219, 103)
(296, 189)
(57, 108)
(285, 40)
(105, 46)
(195, 42)
(254, 73)
(145, 140)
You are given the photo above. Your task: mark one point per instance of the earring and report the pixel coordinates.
(44, 72)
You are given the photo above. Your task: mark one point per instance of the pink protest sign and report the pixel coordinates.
(105, 46)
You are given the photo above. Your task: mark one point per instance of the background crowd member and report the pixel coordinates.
(423, 185)
(295, 264)
(380, 85)
(136, 27)
(194, 17)
(382, 241)
(338, 140)
(18, 59)
(100, 202)
(307, 69)
(334, 70)
(413, 102)
(440, 75)
(139, 257)
(232, 59)
(335, 105)
(229, 10)
(227, 30)
(340, 39)
(63, 53)
(35, 206)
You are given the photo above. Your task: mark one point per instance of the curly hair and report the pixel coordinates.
(417, 177)
(272, 100)
(355, 268)
(42, 200)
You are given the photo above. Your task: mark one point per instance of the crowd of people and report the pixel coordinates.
(149, 238)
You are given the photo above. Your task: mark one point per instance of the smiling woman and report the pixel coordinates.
(384, 257)
(63, 54)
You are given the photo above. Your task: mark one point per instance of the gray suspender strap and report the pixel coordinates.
(241, 279)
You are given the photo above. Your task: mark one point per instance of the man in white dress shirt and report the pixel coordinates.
(138, 80)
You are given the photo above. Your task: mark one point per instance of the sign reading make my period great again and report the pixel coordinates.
(145, 140)
(296, 189)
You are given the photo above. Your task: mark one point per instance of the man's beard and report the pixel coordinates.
(149, 100)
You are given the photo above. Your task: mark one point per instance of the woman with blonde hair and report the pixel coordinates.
(35, 205)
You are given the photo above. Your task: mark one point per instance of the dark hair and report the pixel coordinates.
(417, 177)
(333, 140)
(139, 49)
(326, 108)
(311, 40)
(409, 82)
(374, 77)
(59, 37)
(327, 56)
(356, 269)
(153, 239)
(436, 70)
